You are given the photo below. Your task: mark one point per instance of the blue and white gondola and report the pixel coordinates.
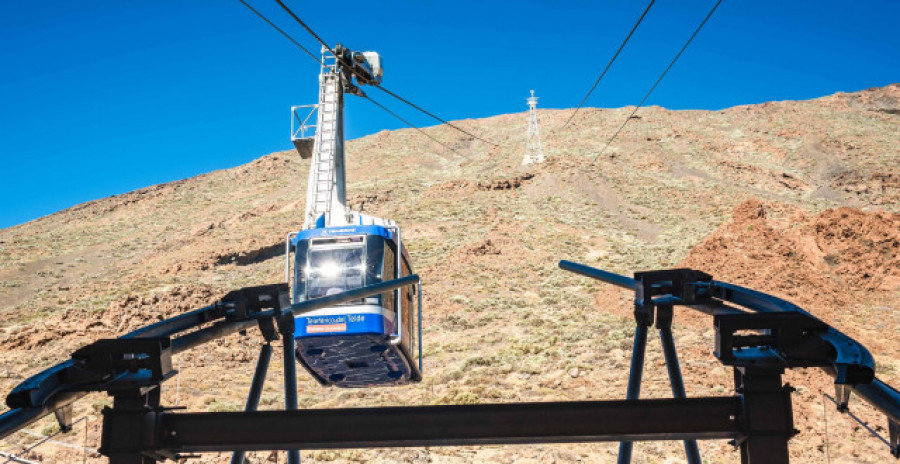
(368, 342)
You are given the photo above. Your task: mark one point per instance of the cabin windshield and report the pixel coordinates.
(335, 266)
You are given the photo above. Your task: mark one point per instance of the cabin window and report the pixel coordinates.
(300, 252)
(335, 266)
(374, 258)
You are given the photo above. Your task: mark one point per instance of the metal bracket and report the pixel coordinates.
(852, 362)
(780, 332)
(267, 329)
(243, 303)
(675, 284)
(643, 314)
(842, 397)
(129, 433)
(678, 283)
(64, 417)
(285, 323)
(791, 338)
(664, 316)
(122, 363)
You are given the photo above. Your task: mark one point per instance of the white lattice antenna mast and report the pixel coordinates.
(533, 151)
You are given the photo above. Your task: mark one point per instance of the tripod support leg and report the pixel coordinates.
(664, 324)
(259, 378)
(286, 327)
(634, 378)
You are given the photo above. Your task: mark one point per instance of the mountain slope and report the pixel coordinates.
(502, 322)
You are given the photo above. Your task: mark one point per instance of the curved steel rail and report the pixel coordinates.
(57, 386)
(851, 363)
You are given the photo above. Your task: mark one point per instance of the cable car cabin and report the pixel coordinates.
(369, 342)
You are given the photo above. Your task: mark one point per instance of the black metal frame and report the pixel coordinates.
(643, 316)
(168, 433)
(138, 430)
(759, 335)
(95, 369)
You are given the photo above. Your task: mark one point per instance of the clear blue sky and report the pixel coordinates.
(103, 97)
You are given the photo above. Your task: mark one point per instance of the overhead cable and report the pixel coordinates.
(398, 97)
(43, 440)
(660, 78)
(411, 125)
(285, 34)
(349, 68)
(616, 55)
(311, 32)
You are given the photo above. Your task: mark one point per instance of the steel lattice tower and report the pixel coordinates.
(533, 151)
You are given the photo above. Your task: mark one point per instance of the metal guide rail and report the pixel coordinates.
(142, 358)
(759, 335)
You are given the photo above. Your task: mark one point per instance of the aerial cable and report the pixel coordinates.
(286, 35)
(45, 439)
(616, 55)
(313, 33)
(350, 69)
(398, 97)
(713, 10)
(413, 126)
(313, 56)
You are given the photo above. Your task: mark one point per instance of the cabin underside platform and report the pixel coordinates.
(361, 360)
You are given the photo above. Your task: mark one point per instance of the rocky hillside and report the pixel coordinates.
(797, 198)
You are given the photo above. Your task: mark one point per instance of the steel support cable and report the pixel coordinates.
(45, 439)
(285, 34)
(433, 116)
(894, 451)
(613, 59)
(311, 32)
(413, 126)
(696, 31)
(398, 97)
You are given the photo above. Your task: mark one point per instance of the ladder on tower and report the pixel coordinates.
(322, 176)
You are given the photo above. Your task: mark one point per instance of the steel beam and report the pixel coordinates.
(459, 425)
